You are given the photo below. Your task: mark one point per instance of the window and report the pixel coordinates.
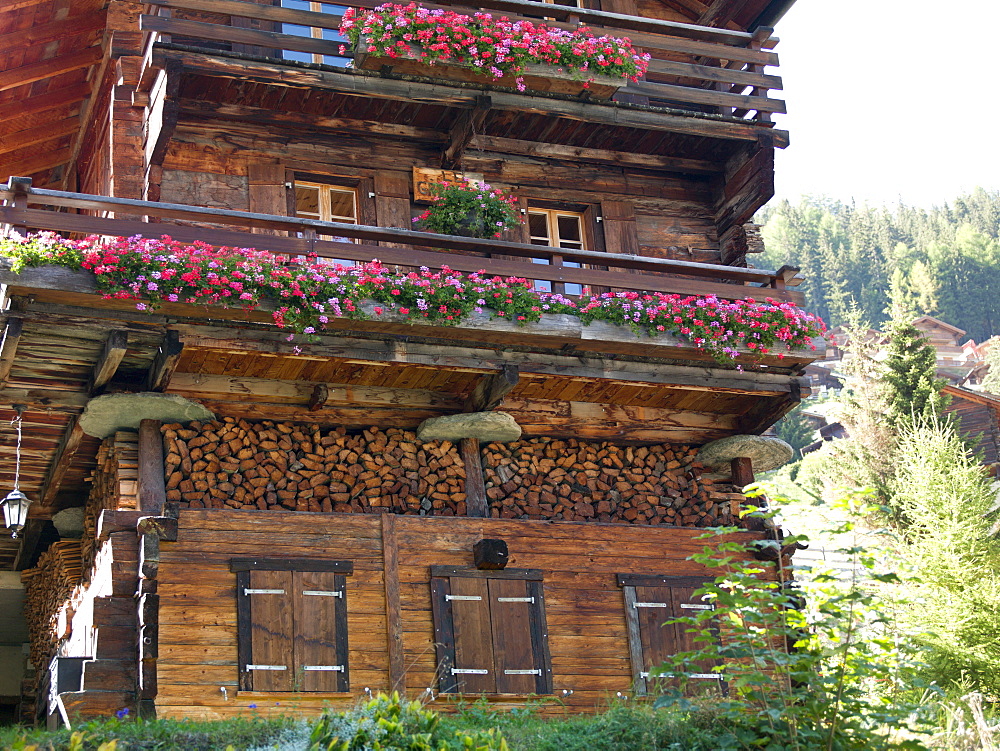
(291, 618)
(556, 229)
(490, 631)
(328, 203)
(650, 601)
(315, 32)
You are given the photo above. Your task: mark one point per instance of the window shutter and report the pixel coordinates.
(392, 200)
(649, 603)
(268, 194)
(519, 638)
(620, 233)
(270, 665)
(320, 651)
(474, 668)
(490, 631)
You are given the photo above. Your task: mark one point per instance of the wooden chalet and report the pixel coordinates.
(297, 544)
(978, 418)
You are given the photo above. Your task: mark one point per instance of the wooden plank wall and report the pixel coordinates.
(586, 617)
(671, 212)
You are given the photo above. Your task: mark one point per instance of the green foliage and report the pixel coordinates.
(952, 600)
(470, 209)
(914, 392)
(794, 429)
(943, 262)
(797, 677)
(991, 382)
(161, 735)
(392, 722)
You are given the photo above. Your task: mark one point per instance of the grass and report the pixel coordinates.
(624, 726)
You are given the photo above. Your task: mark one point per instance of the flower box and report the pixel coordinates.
(535, 77)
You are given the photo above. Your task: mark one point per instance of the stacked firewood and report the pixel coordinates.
(114, 487)
(543, 478)
(282, 465)
(49, 598)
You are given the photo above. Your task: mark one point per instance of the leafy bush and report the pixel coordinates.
(390, 722)
(469, 209)
(797, 677)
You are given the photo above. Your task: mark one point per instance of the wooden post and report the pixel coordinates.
(21, 187)
(742, 476)
(393, 608)
(475, 485)
(152, 484)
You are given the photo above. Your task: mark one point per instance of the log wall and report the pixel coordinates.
(585, 609)
(666, 215)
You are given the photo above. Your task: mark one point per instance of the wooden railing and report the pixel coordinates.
(297, 237)
(695, 68)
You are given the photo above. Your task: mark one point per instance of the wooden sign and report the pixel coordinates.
(423, 178)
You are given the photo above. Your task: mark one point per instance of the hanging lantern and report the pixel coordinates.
(15, 505)
(15, 511)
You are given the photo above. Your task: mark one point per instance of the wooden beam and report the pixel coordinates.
(476, 502)
(393, 604)
(720, 12)
(64, 455)
(492, 389)
(29, 543)
(599, 156)
(107, 365)
(8, 348)
(465, 127)
(34, 105)
(152, 483)
(14, 77)
(39, 134)
(165, 363)
(54, 30)
(35, 164)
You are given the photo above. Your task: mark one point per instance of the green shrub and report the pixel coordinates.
(390, 722)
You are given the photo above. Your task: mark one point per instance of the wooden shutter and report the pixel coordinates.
(269, 664)
(620, 233)
(291, 617)
(268, 194)
(320, 647)
(392, 200)
(490, 631)
(649, 603)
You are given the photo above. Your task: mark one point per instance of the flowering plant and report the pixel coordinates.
(496, 47)
(469, 209)
(307, 295)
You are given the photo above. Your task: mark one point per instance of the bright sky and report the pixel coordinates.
(890, 99)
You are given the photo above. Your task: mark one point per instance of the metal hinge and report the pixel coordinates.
(267, 667)
(649, 604)
(248, 591)
(462, 597)
(322, 593)
(469, 671)
(536, 671)
(331, 668)
(516, 599)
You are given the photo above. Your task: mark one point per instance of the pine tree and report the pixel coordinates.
(991, 382)
(914, 390)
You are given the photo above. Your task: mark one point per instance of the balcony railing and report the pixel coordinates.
(292, 236)
(695, 68)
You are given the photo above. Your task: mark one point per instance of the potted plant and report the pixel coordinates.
(521, 54)
(469, 209)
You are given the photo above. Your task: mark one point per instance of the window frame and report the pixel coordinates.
(588, 237)
(444, 625)
(637, 656)
(243, 567)
(315, 32)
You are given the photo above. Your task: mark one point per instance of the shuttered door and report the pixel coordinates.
(271, 626)
(653, 607)
(267, 191)
(473, 670)
(320, 643)
(511, 609)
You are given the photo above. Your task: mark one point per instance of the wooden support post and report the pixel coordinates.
(476, 503)
(465, 127)
(492, 389)
(112, 356)
(152, 484)
(60, 463)
(166, 361)
(742, 476)
(393, 606)
(21, 186)
(8, 348)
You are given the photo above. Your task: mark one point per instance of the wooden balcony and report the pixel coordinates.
(703, 81)
(32, 209)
